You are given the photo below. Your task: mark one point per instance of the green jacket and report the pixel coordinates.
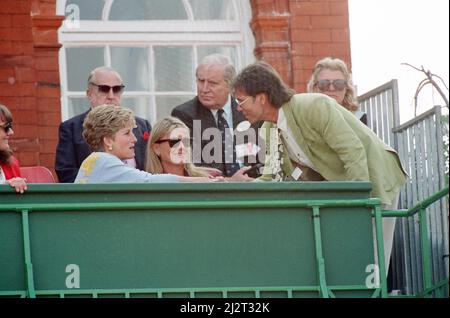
(339, 145)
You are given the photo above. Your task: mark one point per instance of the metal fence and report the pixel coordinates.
(419, 143)
(382, 108)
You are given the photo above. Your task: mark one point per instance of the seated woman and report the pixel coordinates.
(169, 151)
(108, 132)
(9, 166)
(331, 77)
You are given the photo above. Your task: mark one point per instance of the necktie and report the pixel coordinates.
(228, 149)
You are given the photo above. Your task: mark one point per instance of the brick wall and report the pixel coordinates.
(290, 34)
(29, 77)
(293, 35)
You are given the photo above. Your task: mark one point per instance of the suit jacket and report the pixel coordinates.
(194, 110)
(339, 145)
(72, 149)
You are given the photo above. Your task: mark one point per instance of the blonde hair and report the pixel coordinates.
(105, 121)
(335, 64)
(153, 164)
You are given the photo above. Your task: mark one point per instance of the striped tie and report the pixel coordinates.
(228, 149)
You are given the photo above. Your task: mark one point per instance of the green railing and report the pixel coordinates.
(247, 241)
(420, 208)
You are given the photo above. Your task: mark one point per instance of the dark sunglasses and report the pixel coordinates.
(105, 89)
(338, 84)
(6, 127)
(173, 142)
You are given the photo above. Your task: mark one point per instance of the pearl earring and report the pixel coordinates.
(110, 148)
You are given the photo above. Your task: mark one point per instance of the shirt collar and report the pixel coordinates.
(226, 109)
(282, 122)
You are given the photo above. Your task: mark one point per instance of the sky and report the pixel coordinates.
(386, 33)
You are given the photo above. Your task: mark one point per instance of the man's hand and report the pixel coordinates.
(240, 175)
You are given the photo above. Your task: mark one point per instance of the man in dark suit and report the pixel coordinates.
(104, 87)
(207, 111)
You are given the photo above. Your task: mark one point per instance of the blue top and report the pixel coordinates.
(102, 167)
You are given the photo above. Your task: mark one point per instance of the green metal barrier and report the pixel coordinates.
(190, 240)
(429, 288)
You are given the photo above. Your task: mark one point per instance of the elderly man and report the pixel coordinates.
(215, 110)
(104, 87)
(309, 137)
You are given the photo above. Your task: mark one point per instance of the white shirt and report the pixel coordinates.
(293, 149)
(227, 112)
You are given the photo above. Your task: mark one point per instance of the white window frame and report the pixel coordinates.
(189, 32)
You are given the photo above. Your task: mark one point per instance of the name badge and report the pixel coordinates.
(248, 149)
(296, 173)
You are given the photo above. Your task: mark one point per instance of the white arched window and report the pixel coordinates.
(154, 44)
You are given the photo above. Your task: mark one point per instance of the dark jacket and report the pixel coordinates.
(194, 110)
(72, 149)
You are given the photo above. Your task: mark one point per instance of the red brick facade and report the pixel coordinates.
(29, 77)
(293, 35)
(290, 34)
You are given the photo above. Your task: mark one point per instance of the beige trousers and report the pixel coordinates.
(388, 226)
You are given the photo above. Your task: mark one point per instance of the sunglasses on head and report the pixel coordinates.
(174, 142)
(338, 84)
(105, 89)
(6, 127)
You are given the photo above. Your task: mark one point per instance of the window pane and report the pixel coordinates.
(174, 69)
(148, 10)
(165, 104)
(80, 62)
(142, 106)
(132, 65)
(213, 9)
(88, 9)
(77, 106)
(229, 51)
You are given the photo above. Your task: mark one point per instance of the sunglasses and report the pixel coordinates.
(6, 127)
(174, 142)
(105, 89)
(240, 103)
(338, 84)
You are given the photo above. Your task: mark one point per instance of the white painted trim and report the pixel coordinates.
(168, 26)
(244, 10)
(192, 33)
(189, 11)
(60, 7)
(164, 38)
(63, 84)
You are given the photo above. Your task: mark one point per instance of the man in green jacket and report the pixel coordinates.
(310, 137)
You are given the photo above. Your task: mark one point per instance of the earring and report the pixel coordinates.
(110, 148)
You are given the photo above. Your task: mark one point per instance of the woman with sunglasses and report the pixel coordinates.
(9, 166)
(108, 130)
(331, 77)
(169, 151)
